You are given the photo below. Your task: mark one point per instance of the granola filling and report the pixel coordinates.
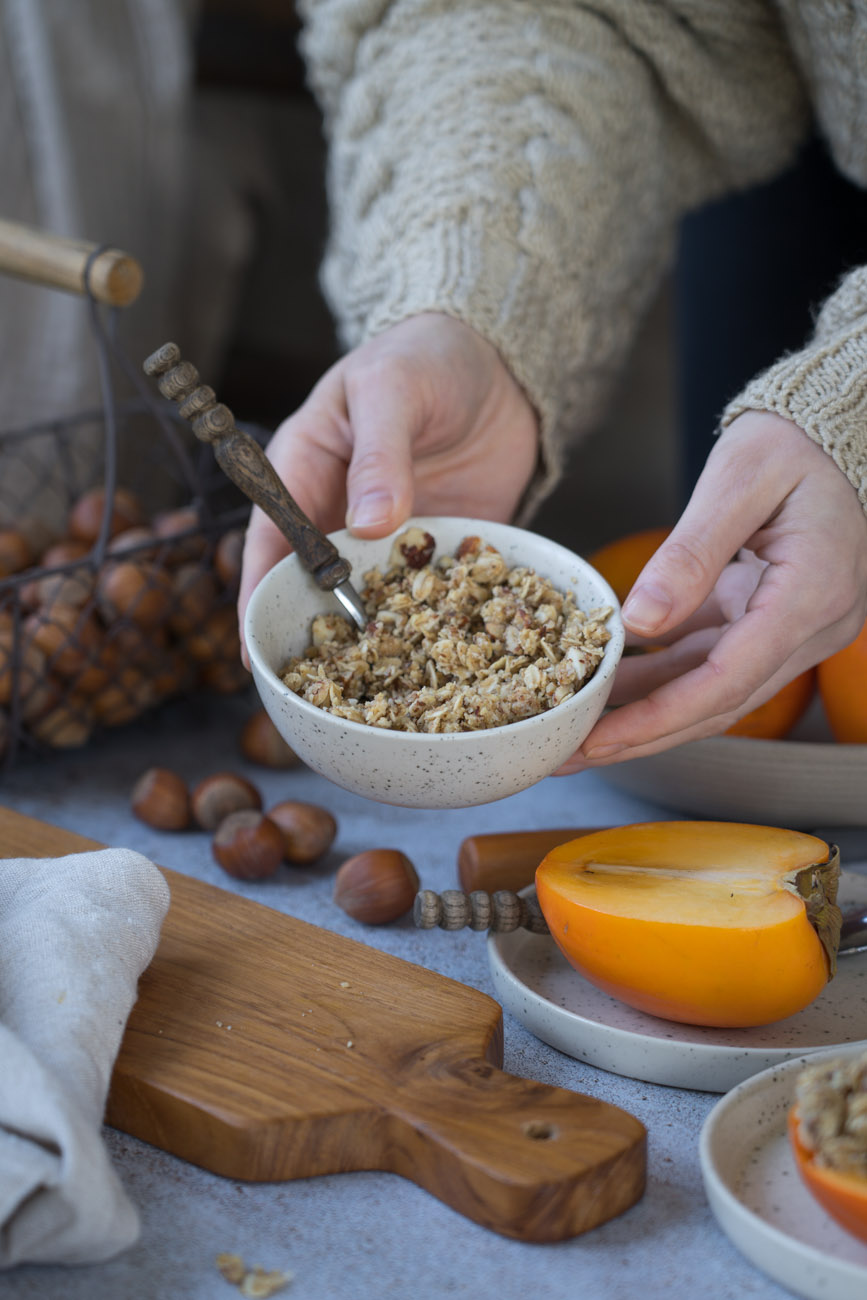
(457, 643)
(832, 1113)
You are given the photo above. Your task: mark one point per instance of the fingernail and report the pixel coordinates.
(602, 751)
(646, 608)
(371, 511)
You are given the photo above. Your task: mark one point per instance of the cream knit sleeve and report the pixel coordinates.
(823, 388)
(522, 165)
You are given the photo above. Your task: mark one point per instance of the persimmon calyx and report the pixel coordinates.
(816, 886)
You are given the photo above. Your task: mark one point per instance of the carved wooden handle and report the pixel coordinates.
(501, 912)
(245, 463)
(113, 277)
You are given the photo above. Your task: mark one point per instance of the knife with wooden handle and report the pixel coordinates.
(508, 859)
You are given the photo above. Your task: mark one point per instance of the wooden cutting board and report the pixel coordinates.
(264, 1048)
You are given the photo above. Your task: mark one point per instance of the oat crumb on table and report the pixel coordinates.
(257, 1282)
(460, 643)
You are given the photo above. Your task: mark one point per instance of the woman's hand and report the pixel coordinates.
(423, 419)
(734, 633)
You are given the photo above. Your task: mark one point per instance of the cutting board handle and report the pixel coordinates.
(528, 1160)
(111, 276)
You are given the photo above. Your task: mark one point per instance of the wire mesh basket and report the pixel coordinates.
(108, 608)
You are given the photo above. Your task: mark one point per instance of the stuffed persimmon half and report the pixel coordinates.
(827, 1129)
(709, 923)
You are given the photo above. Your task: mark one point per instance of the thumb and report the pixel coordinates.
(385, 423)
(682, 573)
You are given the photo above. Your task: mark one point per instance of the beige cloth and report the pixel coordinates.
(524, 166)
(75, 934)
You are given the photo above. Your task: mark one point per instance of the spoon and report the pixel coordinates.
(245, 463)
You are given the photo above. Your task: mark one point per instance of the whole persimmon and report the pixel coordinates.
(620, 563)
(776, 717)
(708, 923)
(842, 681)
(843, 1195)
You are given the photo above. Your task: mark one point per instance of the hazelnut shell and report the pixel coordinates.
(220, 795)
(161, 799)
(248, 845)
(262, 743)
(377, 886)
(308, 830)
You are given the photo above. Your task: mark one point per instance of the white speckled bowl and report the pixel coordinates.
(452, 770)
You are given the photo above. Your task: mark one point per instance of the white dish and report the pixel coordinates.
(416, 769)
(759, 1201)
(795, 783)
(533, 980)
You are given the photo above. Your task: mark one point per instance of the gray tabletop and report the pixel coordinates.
(359, 1235)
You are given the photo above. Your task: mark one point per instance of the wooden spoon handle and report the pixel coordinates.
(113, 277)
(528, 1160)
(245, 463)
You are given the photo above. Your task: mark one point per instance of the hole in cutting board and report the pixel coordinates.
(540, 1130)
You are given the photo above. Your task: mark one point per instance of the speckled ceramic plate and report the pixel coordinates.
(796, 783)
(759, 1201)
(537, 985)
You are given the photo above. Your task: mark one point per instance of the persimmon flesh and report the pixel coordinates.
(708, 923)
(843, 1195)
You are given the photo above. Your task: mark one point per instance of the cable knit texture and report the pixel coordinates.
(824, 388)
(522, 165)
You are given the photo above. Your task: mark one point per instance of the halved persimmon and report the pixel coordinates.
(843, 688)
(709, 923)
(843, 1195)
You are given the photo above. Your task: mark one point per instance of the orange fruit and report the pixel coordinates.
(776, 717)
(620, 563)
(708, 923)
(842, 680)
(844, 1196)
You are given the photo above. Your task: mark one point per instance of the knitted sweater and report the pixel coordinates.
(522, 165)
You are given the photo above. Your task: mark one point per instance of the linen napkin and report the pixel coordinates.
(75, 934)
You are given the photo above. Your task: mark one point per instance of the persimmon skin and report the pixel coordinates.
(621, 561)
(775, 718)
(724, 976)
(842, 681)
(843, 1196)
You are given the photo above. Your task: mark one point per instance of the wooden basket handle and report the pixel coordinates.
(113, 277)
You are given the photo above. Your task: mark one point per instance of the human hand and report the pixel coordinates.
(735, 633)
(423, 419)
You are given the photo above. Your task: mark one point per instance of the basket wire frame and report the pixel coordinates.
(218, 506)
